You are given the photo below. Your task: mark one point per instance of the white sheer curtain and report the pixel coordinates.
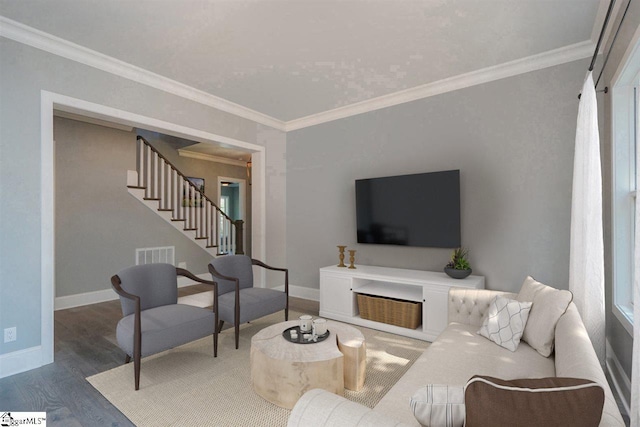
(635, 361)
(586, 262)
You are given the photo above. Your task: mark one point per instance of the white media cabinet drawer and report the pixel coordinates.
(339, 287)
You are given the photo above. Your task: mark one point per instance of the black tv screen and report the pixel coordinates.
(411, 210)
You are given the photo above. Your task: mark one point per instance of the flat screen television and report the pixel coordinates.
(410, 210)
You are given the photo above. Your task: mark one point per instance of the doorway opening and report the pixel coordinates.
(232, 196)
(43, 354)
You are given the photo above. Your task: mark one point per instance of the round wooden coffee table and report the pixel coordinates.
(281, 371)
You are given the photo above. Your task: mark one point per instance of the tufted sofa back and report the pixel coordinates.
(468, 306)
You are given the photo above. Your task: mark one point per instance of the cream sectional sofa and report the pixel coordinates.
(458, 354)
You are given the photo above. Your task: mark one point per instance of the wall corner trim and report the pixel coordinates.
(49, 43)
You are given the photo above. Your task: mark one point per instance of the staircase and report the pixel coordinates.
(167, 191)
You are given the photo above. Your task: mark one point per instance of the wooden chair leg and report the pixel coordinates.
(127, 359)
(136, 368)
(286, 314)
(237, 334)
(236, 319)
(220, 323)
(215, 344)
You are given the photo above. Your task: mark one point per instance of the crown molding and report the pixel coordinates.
(508, 69)
(30, 36)
(211, 158)
(40, 40)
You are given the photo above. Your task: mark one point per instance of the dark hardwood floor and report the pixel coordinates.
(84, 346)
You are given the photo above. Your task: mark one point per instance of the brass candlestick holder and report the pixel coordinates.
(352, 258)
(341, 256)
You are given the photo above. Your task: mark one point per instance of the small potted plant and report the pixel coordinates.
(459, 266)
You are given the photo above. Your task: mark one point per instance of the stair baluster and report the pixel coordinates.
(163, 184)
(207, 223)
(155, 176)
(187, 202)
(201, 219)
(147, 181)
(228, 236)
(167, 200)
(176, 195)
(192, 208)
(183, 203)
(214, 227)
(140, 159)
(198, 206)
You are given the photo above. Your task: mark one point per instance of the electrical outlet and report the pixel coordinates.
(10, 334)
(182, 264)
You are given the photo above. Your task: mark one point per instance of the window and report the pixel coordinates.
(626, 120)
(224, 204)
(225, 231)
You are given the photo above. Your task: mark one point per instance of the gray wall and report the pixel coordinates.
(620, 340)
(276, 196)
(99, 224)
(511, 139)
(25, 72)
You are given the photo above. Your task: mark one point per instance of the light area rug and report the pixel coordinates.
(187, 386)
(201, 299)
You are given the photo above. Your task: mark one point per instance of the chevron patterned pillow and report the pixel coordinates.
(505, 322)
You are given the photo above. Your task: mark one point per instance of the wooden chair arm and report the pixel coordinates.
(286, 272)
(262, 264)
(216, 273)
(116, 283)
(190, 275)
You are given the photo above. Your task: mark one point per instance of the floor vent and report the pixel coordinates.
(164, 254)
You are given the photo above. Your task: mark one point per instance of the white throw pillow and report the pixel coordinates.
(439, 405)
(505, 322)
(548, 305)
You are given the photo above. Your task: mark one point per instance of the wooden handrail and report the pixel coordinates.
(184, 177)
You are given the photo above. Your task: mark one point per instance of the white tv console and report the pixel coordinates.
(339, 287)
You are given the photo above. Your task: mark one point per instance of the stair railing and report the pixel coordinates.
(163, 182)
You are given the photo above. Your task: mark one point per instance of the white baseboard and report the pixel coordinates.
(86, 298)
(621, 382)
(302, 292)
(95, 297)
(20, 361)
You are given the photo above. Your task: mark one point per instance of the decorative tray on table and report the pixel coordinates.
(300, 338)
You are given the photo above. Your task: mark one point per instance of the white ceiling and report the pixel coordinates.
(293, 58)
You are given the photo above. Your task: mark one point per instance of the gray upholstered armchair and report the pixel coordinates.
(153, 320)
(239, 302)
